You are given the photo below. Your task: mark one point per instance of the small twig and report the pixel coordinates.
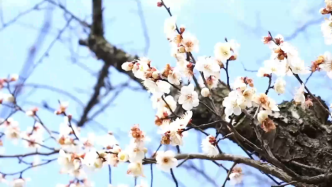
(109, 174)
(229, 172)
(174, 179)
(151, 169)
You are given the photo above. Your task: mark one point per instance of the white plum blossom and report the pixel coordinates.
(140, 68)
(234, 47)
(211, 81)
(33, 140)
(164, 107)
(232, 104)
(13, 133)
(327, 64)
(239, 84)
(278, 68)
(208, 146)
(266, 102)
(20, 182)
(94, 159)
(326, 28)
(262, 116)
(135, 169)
(171, 129)
(299, 97)
(89, 141)
(207, 65)
(298, 67)
(190, 42)
(170, 26)
(279, 85)
(66, 162)
(123, 156)
(222, 51)
(189, 97)
(184, 120)
(157, 87)
(236, 177)
(135, 153)
(66, 130)
(166, 160)
(174, 77)
(107, 141)
(127, 66)
(6, 97)
(263, 71)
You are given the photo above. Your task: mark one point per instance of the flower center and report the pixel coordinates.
(189, 97)
(166, 160)
(189, 44)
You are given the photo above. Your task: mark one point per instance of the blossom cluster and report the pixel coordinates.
(326, 26)
(175, 98)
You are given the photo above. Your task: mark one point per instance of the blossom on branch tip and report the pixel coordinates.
(13, 133)
(189, 97)
(299, 97)
(233, 103)
(326, 65)
(279, 85)
(157, 87)
(20, 182)
(32, 112)
(211, 81)
(135, 169)
(209, 146)
(207, 65)
(66, 161)
(166, 160)
(170, 26)
(6, 97)
(63, 105)
(190, 42)
(123, 156)
(174, 77)
(266, 102)
(236, 176)
(326, 28)
(222, 51)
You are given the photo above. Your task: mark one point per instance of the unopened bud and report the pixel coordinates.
(182, 29)
(233, 57)
(205, 92)
(324, 11)
(69, 117)
(127, 66)
(160, 4)
(181, 49)
(155, 75)
(14, 77)
(10, 98)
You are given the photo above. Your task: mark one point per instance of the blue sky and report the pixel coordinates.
(210, 20)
